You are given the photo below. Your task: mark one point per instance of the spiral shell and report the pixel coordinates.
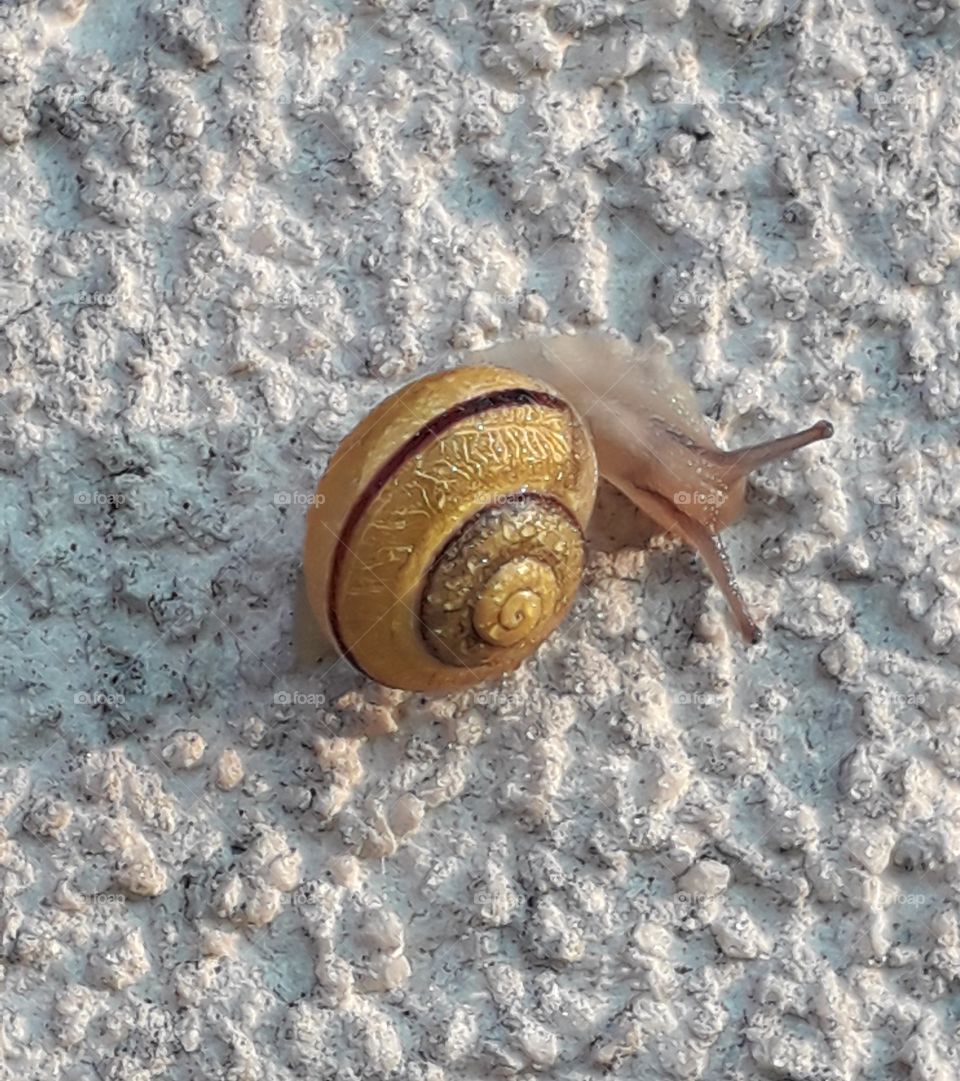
(445, 542)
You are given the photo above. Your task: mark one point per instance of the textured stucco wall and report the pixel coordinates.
(226, 230)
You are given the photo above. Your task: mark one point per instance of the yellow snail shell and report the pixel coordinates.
(446, 540)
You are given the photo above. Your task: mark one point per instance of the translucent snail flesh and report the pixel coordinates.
(446, 541)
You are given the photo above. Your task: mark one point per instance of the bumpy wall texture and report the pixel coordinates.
(229, 228)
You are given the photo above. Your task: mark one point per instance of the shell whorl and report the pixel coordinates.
(501, 581)
(446, 540)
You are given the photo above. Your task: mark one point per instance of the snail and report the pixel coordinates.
(446, 538)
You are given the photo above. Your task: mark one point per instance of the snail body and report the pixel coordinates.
(446, 539)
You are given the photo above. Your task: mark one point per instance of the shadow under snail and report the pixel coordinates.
(446, 539)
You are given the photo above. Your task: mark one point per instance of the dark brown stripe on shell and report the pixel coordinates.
(498, 399)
